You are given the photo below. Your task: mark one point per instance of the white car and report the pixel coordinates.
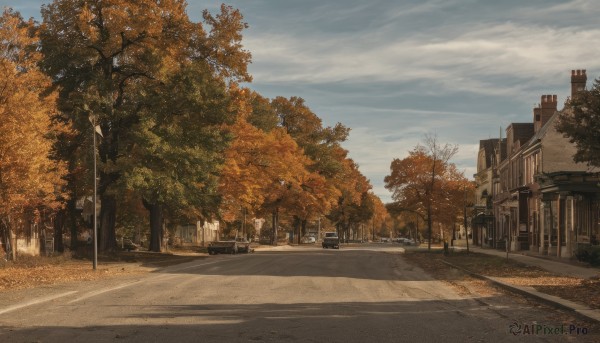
(408, 241)
(308, 240)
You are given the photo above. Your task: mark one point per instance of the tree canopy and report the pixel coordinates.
(180, 135)
(29, 177)
(580, 122)
(426, 183)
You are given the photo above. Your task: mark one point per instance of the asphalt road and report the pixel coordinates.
(303, 294)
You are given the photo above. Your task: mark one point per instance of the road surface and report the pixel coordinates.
(301, 294)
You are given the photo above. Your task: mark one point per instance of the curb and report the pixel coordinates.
(582, 311)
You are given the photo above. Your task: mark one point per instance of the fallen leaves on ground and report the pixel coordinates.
(583, 291)
(29, 272)
(20, 277)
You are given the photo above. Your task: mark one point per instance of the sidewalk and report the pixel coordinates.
(567, 268)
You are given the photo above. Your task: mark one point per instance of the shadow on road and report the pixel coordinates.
(396, 321)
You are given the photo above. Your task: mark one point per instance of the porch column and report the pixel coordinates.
(559, 221)
(541, 222)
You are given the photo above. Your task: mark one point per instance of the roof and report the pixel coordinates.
(522, 132)
(489, 148)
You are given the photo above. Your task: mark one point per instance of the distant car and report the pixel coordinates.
(332, 240)
(408, 241)
(308, 240)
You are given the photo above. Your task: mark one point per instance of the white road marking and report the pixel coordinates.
(35, 301)
(92, 294)
(156, 277)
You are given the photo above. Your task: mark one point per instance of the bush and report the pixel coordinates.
(589, 254)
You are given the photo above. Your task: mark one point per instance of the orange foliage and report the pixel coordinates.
(28, 177)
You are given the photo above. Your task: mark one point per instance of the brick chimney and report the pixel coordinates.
(547, 107)
(537, 118)
(578, 81)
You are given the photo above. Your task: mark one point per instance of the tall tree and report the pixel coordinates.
(28, 176)
(580, 122)
(322, 146)
(177, 146)
(416, 180)
(105, 55)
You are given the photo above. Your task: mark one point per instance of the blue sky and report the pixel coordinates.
(394, 70)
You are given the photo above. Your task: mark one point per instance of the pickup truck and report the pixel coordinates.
(331, 239)
(229, 247)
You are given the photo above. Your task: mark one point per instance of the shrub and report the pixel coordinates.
(589, 254)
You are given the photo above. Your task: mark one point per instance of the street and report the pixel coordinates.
(298, 294)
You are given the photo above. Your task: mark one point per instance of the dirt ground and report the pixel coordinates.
(578, 290)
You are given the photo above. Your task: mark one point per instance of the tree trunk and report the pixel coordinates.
(108, 211)
(71, 208)
(303, 223)
(275, 223)
(297, 227)
(156, 226)
(13, 241)
(429, 226)
(59, 224)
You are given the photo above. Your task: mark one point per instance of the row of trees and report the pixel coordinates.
(181, 138)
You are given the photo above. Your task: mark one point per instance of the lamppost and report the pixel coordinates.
(95, 129)
(465, 219)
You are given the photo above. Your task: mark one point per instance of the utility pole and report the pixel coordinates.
(95, 129)
(465, 219)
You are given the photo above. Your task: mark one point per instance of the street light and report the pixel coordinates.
(95, 129)
(465, 219)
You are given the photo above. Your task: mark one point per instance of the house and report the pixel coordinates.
(483, 219)
(542, 200)
(509, 197)
(564, 194)
(197, 234)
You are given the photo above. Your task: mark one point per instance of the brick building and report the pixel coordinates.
(541, 199)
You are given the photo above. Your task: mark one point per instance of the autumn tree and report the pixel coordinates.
(580, 122)
(416, 180)
(176, 147)
(322, 146)
(353, 204)
(454, 191)
(380, 214)
(106, 55)
(29, 177)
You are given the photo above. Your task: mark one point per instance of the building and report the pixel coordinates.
(542, 200)
(509, 211)
(197, 234)
(483, 228)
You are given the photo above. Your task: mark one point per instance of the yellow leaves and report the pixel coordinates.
(27, 175)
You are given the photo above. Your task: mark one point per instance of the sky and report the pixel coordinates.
(393, 71)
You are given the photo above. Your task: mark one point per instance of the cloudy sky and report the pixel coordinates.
(395, 70)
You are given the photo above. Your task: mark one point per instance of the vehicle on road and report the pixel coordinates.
(332, 240)
(239, 245)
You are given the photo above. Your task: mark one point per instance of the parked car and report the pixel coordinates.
(308, 240)
(408, 241)
(229, 247)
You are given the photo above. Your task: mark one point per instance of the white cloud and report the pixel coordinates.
(452, 63)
